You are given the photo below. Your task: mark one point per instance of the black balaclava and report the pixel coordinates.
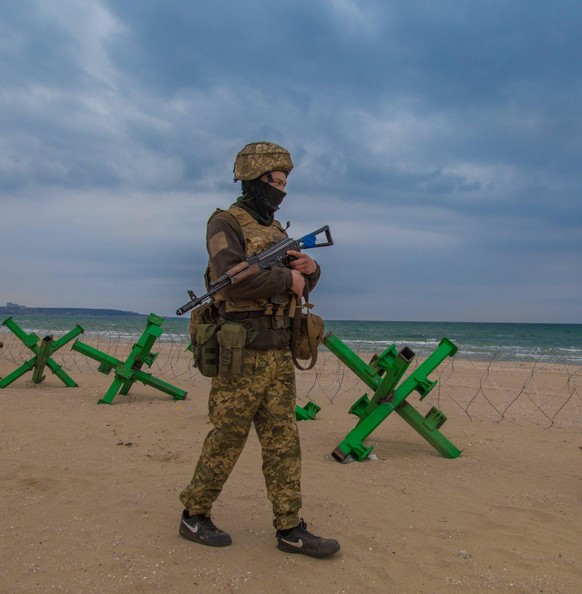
(261, 200)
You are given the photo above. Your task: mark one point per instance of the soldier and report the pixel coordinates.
(261, 391)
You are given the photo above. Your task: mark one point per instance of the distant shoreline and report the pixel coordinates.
(22, 310)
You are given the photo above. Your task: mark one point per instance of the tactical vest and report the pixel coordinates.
(257, 239)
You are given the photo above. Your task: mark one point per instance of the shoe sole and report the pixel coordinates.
(184, 532)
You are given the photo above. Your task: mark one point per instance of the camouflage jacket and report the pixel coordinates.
(234, 235)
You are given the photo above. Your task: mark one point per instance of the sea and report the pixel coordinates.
(550, 343)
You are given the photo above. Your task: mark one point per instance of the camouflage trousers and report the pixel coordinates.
(264, 395)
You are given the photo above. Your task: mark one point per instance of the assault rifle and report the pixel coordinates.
(270, 257)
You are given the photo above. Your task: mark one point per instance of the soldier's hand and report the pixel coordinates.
(298, 283)
(302, 262)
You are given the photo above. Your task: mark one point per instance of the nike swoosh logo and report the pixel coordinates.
(298, 544)
(193, 529)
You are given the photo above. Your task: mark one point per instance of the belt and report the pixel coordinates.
(267, 323)
(261, 322)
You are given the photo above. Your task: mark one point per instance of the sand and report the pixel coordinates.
(90, 492)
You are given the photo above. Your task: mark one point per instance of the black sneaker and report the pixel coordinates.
(300, 540)
(201, 529)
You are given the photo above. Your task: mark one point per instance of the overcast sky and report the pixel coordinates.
(440, 140)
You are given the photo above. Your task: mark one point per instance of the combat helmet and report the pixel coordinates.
(257, 158)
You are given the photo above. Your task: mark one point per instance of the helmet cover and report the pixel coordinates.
(257, 158)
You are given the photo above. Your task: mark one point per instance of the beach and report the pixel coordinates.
(90, 492)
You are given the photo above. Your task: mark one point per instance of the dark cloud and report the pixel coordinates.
(441, 141)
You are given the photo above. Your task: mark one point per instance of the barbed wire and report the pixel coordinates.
(538, 392)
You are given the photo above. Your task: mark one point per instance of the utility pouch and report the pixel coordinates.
(311, 330)
(231, 341)
(203, 329)
(203, 314)
(306, 335)
(206, 349)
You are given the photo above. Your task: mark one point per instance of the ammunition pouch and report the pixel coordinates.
(203, 334)
(231, 341)
(206, 349)
(218, 343)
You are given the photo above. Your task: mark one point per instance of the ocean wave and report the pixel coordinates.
(476, 341)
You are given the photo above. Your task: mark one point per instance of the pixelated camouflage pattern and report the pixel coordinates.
(264, 396)
(257, 158)
(257, 237)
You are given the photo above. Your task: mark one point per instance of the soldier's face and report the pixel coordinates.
(278, 179)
